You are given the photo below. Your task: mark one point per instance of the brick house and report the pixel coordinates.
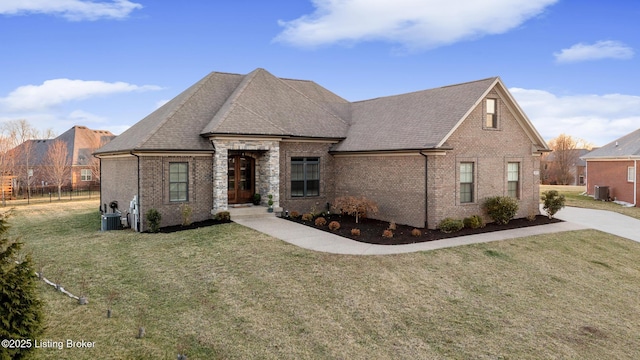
(551, 167)
(81, 142)
(616, 165)
(421, 156)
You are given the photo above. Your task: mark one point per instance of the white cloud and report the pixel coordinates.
(75, 10)
(58, 91)
(600, 50)
(599, 119)
(415, 24)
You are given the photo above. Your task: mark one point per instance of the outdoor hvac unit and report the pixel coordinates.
(110, 222)
(602, 193)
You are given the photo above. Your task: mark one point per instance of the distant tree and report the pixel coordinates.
(94, 162)
(565, 156)
(57, 164)
(20, 307)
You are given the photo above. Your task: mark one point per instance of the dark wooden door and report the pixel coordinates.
(240, 179)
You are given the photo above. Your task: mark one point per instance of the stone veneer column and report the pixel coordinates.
(220, 181)
(269, 173)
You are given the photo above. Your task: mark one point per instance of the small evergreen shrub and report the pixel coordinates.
(450, 225)
(307, 217)
(334, 225)
(321, 221)
(153, 218)
(223, 216)
(474, 222)
(501, 209)
(416, 232)
(387, 233)
(294, 214)
(355, 232)
(553, 202)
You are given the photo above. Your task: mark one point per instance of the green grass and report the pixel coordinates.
(228, 292)
(574, 197)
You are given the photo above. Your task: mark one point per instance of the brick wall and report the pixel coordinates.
(490, 150)
(327, 176)
(154, 185)
(119, 181)
(612, 174)
(396, 183)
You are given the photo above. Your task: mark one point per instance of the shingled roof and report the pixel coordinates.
(626, 147)
(260, 104)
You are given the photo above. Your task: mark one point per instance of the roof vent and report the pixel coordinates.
(616, 144)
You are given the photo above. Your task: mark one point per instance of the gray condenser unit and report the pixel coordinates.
(111, 222)
(602, 193)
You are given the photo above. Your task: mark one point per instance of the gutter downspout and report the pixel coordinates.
(635, 182)
(138, 224)
(426, 192)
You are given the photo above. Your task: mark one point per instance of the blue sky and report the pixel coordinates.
(572, 65)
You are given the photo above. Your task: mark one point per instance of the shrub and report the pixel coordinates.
(416, 232)
(321, 221)
(154, 217)
(359, 207)
(474, 222)
(392, 225)
(294, 214)
(307, 217)
(553, 202)
(387, 233)
(20, 307)
(223, 216)
(355, 232)
(334, 225)
(450, 225)
(186, 211)
(501, 209)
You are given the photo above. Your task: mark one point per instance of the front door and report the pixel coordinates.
(240, 179)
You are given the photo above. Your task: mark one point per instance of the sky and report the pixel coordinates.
(573, 66)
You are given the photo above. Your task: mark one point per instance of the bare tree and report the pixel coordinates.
(559, 167)
(58, 164)
(94, 163)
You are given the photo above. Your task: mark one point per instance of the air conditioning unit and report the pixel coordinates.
(111, 222)
(602, 193)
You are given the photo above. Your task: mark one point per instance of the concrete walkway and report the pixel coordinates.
(313, 239)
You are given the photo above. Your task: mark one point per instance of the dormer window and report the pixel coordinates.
(491, 116)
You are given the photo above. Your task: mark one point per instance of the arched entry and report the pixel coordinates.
(240, 176)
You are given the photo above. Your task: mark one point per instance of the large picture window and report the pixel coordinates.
(513, 179)
(466, 182)
(305, 177)
(178, 181)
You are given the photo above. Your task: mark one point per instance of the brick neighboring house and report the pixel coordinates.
(551, 174)
(421, 156)
(616, 165)
(81, 143)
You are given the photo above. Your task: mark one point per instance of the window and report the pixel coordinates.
(491, 119)
(513, 179)
(85, 175)
(305, 177)
(178, 181)
(631, 174)
(466, 182)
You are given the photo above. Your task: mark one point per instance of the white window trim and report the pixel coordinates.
(631, 174)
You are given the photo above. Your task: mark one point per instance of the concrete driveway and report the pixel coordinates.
(606, 221)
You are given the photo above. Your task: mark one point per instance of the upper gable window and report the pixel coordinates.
(491, 115)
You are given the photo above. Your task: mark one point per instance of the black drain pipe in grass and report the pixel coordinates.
(426, 190)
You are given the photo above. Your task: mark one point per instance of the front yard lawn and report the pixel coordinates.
(228, 292)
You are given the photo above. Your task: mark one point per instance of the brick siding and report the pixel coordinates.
(614, 175)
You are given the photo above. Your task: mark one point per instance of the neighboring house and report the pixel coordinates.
(421, 156)
(81, 143)
(615, 165)
(551, 166)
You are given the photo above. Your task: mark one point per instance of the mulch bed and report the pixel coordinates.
(194, 225)
(371, 229)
